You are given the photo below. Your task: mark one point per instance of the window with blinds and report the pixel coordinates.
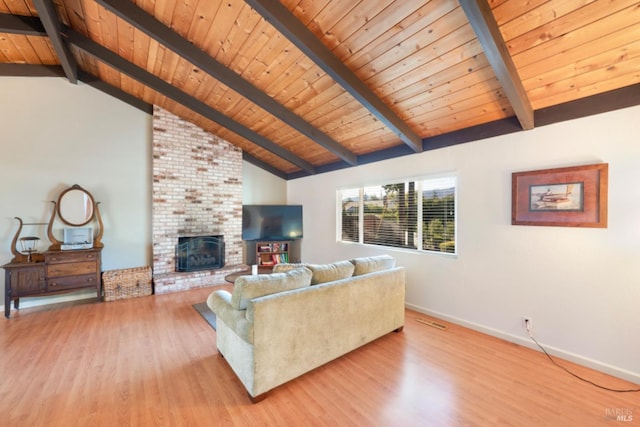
(439, 214)
(350, 216)
(408, 214)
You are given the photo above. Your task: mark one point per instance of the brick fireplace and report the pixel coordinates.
(197, 191)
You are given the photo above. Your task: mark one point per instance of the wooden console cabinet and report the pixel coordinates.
(61, 271)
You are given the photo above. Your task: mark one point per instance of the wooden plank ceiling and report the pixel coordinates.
(306, 86)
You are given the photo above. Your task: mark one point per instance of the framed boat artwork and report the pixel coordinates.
(570, 197)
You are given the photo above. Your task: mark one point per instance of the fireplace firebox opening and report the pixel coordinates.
(199, 253)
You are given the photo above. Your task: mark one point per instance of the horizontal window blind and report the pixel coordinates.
(390, 214)
(350, 200)
(438, 214)
(407, 214)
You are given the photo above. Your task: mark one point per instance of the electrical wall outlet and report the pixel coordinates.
(527, 323)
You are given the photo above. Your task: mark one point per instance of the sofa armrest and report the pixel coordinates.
(220, 303)
(217, 299)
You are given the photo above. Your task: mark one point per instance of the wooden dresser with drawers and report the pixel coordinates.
(61, 271)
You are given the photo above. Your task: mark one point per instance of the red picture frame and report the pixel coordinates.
(568, 197)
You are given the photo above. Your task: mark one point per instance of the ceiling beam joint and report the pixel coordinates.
(486, 28)
(52, 25)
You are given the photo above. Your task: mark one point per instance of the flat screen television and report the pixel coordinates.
(271, 222)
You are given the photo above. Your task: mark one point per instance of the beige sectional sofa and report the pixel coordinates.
(275, 327)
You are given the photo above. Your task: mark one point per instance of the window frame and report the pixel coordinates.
(419, 227)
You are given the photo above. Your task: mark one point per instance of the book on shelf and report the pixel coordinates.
(280, 258)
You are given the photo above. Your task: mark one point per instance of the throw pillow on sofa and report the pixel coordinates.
(248, 287)
(323, 273)
(374, 263)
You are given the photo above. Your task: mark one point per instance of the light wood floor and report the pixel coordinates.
(153, 361)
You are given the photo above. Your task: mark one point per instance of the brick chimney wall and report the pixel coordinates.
(197, 190)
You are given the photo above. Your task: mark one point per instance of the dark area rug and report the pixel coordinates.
(208, 315)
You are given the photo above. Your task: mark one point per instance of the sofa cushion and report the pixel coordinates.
(370, 264)
(249, 287)
(323, 273)
(284, 267)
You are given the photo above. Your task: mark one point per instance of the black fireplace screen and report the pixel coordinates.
(199, 253)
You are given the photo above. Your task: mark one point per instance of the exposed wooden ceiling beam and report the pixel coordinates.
(624, 97)
(287, 24)
(24, 25)
(29, 70)
(164, 35)
(164, 88)
(486, 28)
(51, 24)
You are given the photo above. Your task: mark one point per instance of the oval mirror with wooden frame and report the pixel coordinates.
(76, 206)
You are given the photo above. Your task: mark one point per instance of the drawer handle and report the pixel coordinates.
(90, 256)
(54, 284)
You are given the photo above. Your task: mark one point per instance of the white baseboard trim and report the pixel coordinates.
(615, 371)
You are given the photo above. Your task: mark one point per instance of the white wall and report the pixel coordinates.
(56, 134)
(262, 188)
(580, 286)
